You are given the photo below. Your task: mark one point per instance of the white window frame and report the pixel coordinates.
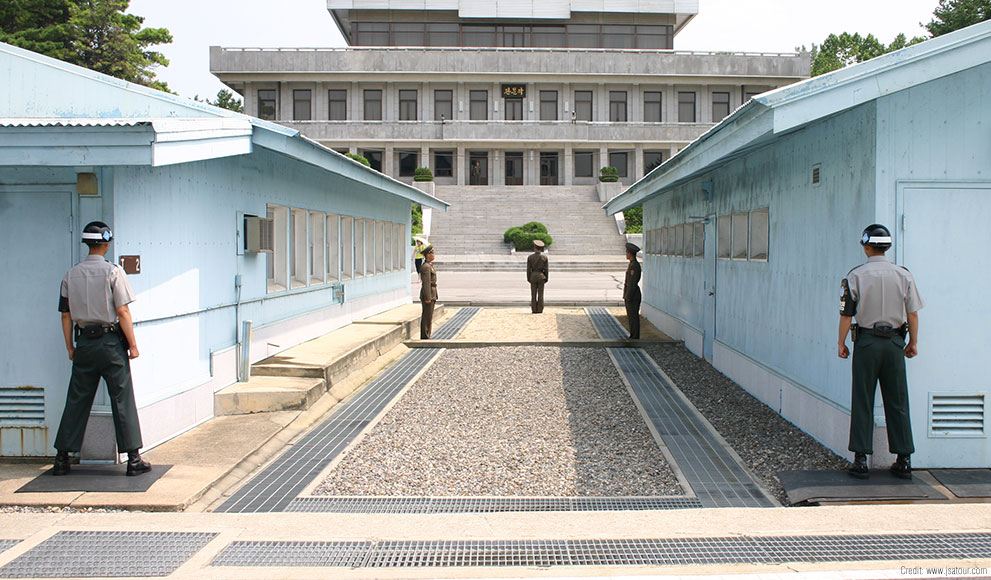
(333, 251)
(347, 247)
(278, 264)
(318, 247)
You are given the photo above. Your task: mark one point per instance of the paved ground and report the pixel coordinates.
(862, 541)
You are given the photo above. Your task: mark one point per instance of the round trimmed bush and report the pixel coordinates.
(423, 174)
(608, 174)
(359, 159)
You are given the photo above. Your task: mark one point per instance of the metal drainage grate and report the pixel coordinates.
(8, 544)
(636, 552)
(714, 474)
(318, 554)
(277, 485)
(606, 324)
(455, 324)
(107, 554)
(426, 505)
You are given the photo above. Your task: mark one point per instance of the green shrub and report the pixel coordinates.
(359, 159)
(416, 219)
(522, 237)
(510, 233)
(634, 220)
(534, 228)
(423, 174)
(608, 174)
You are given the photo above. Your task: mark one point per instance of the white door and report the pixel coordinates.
(944, 242)
(36, 237)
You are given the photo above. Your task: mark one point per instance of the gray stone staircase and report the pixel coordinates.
(479, 215)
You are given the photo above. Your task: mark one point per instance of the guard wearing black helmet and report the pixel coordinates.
(99, 337)
(885, 301)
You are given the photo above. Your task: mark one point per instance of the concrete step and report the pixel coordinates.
(268, 394)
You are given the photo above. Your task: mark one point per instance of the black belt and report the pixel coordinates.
(95, 330)
(880, 330)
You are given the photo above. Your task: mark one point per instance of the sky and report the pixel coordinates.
(721, 25)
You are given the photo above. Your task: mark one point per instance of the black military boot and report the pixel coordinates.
(136, 465)
(61, 463)
(902, 467)
(859, 468)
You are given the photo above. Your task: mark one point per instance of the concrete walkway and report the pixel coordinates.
(209, 463)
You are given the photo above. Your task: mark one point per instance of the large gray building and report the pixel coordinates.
(503, 94)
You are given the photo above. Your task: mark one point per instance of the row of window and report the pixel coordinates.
(478, 105)
(739, 236)
(314, 248)
(512, 35)
(478, 164)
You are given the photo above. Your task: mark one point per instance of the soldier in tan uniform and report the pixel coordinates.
(99, 337)
(885, 301)
(536, 275)
(428, 292)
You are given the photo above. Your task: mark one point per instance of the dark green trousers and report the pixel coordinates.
(877, 359)
(97, 358)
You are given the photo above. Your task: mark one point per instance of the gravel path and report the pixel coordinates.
(765, 440)
(509, 421)
(553, 323)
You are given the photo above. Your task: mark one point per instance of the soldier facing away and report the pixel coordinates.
(99, 337)
(885, 301)
(536, 275)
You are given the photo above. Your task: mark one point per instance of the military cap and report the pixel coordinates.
(428, 249)
(632, 248)
(538, 244)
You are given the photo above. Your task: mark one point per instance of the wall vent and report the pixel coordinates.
(22, 406)
(259, 234)
(815, 174)
(956, 415)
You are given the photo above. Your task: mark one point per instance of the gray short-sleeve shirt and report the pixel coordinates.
(884, 292)
(93, 289)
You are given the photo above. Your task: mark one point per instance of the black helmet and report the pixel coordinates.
(876, 236)
(97, 233)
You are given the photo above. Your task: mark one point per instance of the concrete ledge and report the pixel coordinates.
(264, 394)
(586, 343)
(521, 302)
(407, 316)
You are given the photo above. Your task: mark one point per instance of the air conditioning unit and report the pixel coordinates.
(259, 234)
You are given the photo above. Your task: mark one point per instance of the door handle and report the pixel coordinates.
(712, 292)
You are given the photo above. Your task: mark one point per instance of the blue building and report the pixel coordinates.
(750, 229)
(219, 217)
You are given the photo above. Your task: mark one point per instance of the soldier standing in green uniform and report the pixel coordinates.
(428, 292)
(885, 301)
(536, 275)
(99, 338)
(631, 290)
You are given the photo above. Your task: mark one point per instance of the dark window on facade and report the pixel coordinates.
(583, 105)
(548, 36)
(583, 163)
(583, 35)
(444, 163)
(408, 163)
(337, 105)
(475, 35)
(407, 105)
(748, 96)
(301, 104)
(617, 36)
(657, 37)
(371, 34)
(618, 159)
(373, 105)
(548, 105)
(407, 34)
(514, 36)
(514, 168)
(617, 106)
(267, 104)
(443, 34)
(652, 159)
(686, 107)
(548, 168)
(443, 105)
(720, 106)
(478, 109)
(478, 168)
(374, 159)
(513, 109)
(652, 106)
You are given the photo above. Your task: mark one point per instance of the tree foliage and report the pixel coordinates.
(226, 100)
(96, 34)
(838, 51)
(953, 15)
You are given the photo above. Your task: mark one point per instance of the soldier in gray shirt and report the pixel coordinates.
(885, 301)
(99, 337)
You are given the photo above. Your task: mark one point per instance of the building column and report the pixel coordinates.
(388, 163)
(568, 163)
(603, 159)
(285, 102)
(425, 156)
(460, 164)
(320, 105)
(425, 105)
(497, 170)
(638, 161)
(355, 104)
